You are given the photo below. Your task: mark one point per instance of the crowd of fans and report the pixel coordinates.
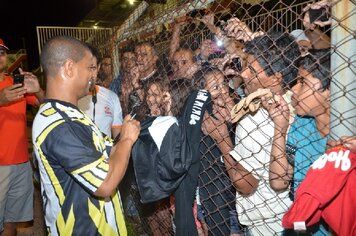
(229, 130)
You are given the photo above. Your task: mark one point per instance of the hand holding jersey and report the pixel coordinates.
(121, 153)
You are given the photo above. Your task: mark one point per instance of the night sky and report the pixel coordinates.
(19, 18)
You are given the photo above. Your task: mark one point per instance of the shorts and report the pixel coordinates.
(16, 195)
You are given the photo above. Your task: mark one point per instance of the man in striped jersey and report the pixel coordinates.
(80, 168)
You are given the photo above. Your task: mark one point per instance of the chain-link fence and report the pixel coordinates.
(281, 75)
(289, 68)
(237, 99)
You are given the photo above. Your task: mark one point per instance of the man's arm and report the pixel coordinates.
(174, 45)
(280, 171)
(240, 31)
(243, 180)
(119, 157)
(318, 38)
(11, 94)
(115, 131)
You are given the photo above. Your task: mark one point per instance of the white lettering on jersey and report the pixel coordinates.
(196, 111)
(340, 158)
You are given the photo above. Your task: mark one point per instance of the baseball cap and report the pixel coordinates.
(2, 44)
(299, 35)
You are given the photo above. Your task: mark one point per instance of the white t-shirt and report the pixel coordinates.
(108, 112)
(254, 136)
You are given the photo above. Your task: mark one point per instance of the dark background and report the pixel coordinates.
(19, 18)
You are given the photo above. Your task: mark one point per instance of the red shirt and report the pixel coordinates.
(13, 133)
(328, 191)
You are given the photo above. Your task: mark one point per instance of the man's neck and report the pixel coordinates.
(323, 123)
(58, 94)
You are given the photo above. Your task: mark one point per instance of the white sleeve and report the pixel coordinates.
(243, 148)
(116, 105)
(252, 148)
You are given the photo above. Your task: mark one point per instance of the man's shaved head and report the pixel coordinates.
(58, 50)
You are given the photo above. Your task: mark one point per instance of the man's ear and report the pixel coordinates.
(325, 93)
(67, 69)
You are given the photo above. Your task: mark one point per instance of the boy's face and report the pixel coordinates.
(182, 63)
(106, 65)
(217, 87)
(128, 61)
(145, 58)
(308, 97)
(254, 77)
(219, 90)
(206, 48)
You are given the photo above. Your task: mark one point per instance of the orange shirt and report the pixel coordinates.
(13, 135)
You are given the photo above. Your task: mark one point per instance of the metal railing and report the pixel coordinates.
(15, 59)
(99, 37)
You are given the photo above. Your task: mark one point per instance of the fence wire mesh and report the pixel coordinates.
(281, 76)
(276, 74)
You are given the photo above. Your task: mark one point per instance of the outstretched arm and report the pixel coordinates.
(240, 31)
(119, 157)
(177, 24)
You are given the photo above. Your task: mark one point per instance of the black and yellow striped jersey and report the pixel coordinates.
(72, 155)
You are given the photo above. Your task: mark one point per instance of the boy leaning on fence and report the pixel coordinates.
(262, 182)
(308, 134)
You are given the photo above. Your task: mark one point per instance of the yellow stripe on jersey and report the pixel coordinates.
(98, 142)
(66, 227)
(55, 182)
(99, 219)
(108, 139)
(92, 179)
(89, 166)
(104, 165)
(118, 213)
(50, 111)
(85, 120)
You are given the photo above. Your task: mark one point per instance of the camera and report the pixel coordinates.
(236, 64)
(19, 79)
(318, 15)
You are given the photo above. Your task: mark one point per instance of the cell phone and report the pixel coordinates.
(19, 79)
(318, 15)
(197, 13)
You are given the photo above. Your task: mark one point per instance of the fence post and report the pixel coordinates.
(343, 69)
